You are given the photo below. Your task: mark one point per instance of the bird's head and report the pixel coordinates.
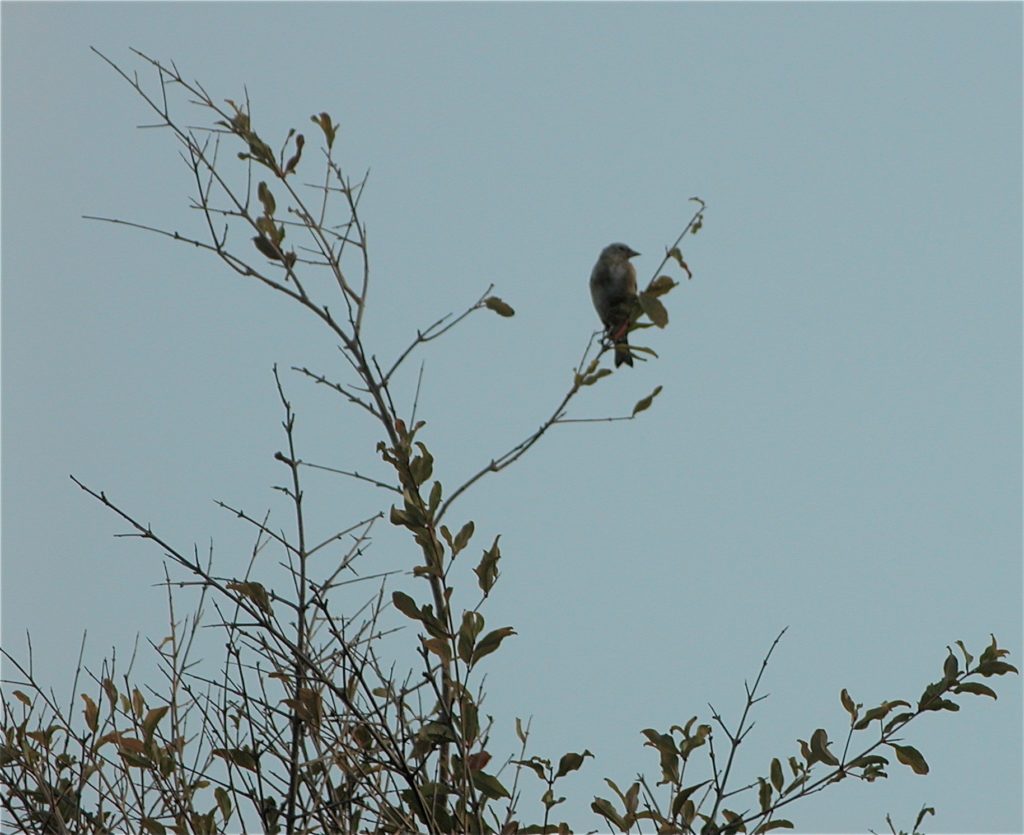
(618, 252)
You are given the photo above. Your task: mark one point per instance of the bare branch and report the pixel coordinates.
(435, 330)
(352, 474)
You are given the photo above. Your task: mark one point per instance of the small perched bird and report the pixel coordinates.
(613, 289)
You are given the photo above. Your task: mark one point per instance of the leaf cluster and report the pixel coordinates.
(700, 806)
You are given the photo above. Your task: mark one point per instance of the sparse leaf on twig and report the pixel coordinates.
(498, 306)
(645, 403)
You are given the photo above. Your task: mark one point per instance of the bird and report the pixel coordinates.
(613, 290)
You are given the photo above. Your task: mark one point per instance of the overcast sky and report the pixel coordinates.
(838, 444)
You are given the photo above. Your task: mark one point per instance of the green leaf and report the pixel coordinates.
(683, 795)
(422, 466)
(489, 786)
(764, 794)
(675, 254)
(440, 647)
(535, 764)
(879, 713)
(223, 802)
(734, 822)
(698, 739)
(605, 809)
(779, 823)
(472, 624)
(908, 755)
(866, 760)
(491, 641)
(950, 668)
(136, 760)
(520, 732)
(632, 794)
(687, 812)
(152, 719)
(819, 747)
(976, 688)
(267, 199)
(654, 309)
(589, 369)
(669, 754)
(925, 810)
(435, 732)
(968, 658)
(931, 693)
(330, 130)
(590, 379)
(406, 605)
(896, 721)
(487, 571)
(660, 286)
(267, 248)
(571, 762)
(656, 739)
(273, 234)
(776, 774)
(91, 711)
(677, 803)
(435, 497)
(498, 306)
(849, 705)
(470, 723)
(462, 537)
(645, 403)
(293, 162)
(237, 756)
(153, 826)
(549, 800)
(308, 706)
(615, 788)
(992, 651)
(995, 668)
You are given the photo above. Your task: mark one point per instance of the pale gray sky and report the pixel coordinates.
(838, 443)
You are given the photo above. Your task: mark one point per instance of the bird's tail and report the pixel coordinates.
(623, 356)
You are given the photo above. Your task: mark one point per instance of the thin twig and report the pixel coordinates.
(734, 740)
(435, 330)
(351, 474)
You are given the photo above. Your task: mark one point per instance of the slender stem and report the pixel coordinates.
(735, 740)
(696, 216)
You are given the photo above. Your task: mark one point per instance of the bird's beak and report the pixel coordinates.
(633, 253)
